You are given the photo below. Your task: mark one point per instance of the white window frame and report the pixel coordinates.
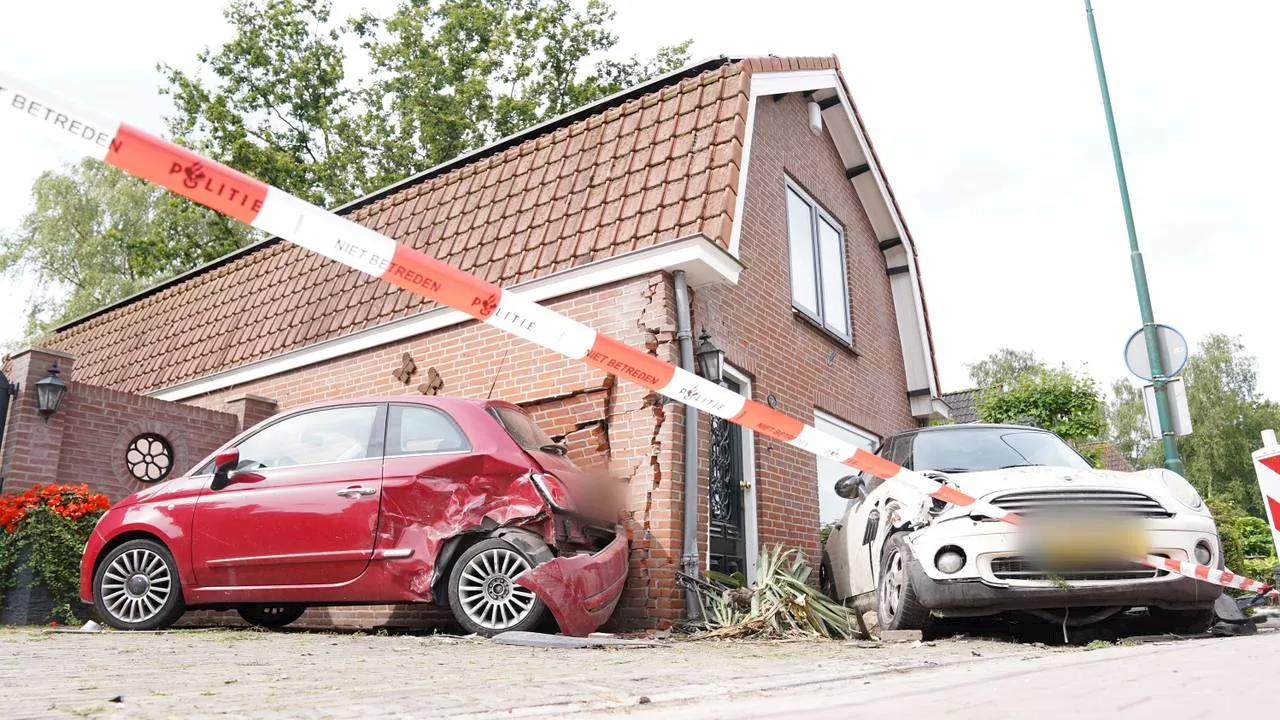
(872, 439)
(819, 315)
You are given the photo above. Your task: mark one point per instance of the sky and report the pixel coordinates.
(987, 119)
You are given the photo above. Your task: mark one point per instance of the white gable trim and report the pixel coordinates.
(872, 189)
(702, 259)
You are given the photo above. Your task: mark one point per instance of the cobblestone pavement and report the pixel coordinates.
(255, 674)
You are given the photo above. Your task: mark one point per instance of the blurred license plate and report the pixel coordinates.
(1089, 542)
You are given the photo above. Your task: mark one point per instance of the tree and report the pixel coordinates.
(1002, 369)
(1228, 415)
(446, 78)
(1054, 399)
(279, 102)
(1127, 426)
(96, 234)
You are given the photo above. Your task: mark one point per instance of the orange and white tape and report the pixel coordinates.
(278, 213)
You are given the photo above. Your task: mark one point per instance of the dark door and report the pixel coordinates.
(728, 545)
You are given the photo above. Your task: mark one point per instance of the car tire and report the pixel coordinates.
(1181, 622)
(136, 587)
(483, 594)
(270, 616)
(897, 606)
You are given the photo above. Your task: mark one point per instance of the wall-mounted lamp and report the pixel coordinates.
(49, 392)
(710, 358)
(815, 117)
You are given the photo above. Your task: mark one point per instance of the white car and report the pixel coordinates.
(910, 557)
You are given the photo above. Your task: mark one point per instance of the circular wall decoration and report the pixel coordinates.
(149, 457)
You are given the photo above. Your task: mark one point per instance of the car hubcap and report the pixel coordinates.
(488, 591)
(136, 585)
(891, 592)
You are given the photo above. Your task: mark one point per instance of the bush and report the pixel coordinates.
(46, 528)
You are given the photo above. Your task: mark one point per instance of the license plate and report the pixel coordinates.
(1084, 542)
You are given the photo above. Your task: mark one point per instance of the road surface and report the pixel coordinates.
(253, 674)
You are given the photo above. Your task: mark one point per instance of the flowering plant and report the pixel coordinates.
(45, 528)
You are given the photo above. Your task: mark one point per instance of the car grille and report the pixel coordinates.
(1119, 502)
(1027, 569)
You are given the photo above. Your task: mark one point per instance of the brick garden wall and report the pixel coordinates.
(86, 440)
(783, 353)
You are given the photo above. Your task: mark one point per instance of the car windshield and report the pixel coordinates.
(978, 449)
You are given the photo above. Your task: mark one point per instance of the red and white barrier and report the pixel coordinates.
(278, 213)
(1266, 463)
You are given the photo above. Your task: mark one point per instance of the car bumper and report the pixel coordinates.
(87, 561)
(581, 591)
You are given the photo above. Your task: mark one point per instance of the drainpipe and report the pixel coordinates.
(689, 553)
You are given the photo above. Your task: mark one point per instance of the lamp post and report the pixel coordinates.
(1149, 330)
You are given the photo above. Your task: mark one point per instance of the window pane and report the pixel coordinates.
(415, 429)
(831, 506)
(340, 433)
(835, 300)
(804, 290)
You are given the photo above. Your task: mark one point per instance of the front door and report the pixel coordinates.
(728, 547)
(303, 508)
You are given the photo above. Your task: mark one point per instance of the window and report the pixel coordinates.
(980, 449)
(417, 429)
(819, 280)
(329, 435)
(831, 506)
(526, 432)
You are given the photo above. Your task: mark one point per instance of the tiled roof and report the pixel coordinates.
(963, 404)
(656, 163)
(1112, 458)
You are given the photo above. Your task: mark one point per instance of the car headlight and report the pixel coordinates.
(1181, 489)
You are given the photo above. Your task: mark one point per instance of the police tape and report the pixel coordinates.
(286, 216)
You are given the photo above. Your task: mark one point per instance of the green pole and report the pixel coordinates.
(1171, 459)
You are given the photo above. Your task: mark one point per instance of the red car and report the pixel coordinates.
(369, 501)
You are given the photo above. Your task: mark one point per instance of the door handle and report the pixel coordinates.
(355, 491)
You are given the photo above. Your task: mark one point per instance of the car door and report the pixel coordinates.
(858, 549)
(427, 479)
(303, 506)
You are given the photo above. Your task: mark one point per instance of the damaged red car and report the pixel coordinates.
(449, 501)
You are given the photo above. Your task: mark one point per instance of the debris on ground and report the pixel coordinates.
(780, 604)
(898, 636)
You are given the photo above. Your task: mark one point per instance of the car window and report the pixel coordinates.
(319, 436)
(526, 432)
(978, 449)
(417, 429)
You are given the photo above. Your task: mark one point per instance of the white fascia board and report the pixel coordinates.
(851, 144)
(702, 259)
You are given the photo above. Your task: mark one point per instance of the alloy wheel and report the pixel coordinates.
(136, 585)
(891, 586)
(490, 597)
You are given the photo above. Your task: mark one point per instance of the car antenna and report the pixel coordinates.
(501, 365)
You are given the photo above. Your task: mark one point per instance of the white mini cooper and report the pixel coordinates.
(910, 557)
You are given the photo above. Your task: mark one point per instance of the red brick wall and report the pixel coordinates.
(785, 355)
(86, 440)
(641, 440)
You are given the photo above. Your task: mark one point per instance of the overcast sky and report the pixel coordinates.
(986, 116)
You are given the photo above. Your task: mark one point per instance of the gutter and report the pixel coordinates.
(689, 551)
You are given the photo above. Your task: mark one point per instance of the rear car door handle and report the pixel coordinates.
(354, 491)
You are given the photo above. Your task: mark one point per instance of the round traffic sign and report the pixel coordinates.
(1173, 353)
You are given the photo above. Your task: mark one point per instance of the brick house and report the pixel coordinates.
(750, 180)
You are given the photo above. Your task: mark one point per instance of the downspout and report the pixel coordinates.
(689, 551)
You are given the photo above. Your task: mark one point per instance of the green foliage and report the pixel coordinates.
(780, 604)
(1056, 400)
(96, 234)
(1001, 370)
(53, 545)
(1255, 537)
(1127, 426)
(445, 78)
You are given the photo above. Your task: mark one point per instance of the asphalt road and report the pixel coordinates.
(253, 674)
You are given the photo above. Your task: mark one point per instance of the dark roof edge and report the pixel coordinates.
(497, 146)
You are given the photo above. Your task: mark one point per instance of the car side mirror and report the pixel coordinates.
(850, 487)
(224, 464)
